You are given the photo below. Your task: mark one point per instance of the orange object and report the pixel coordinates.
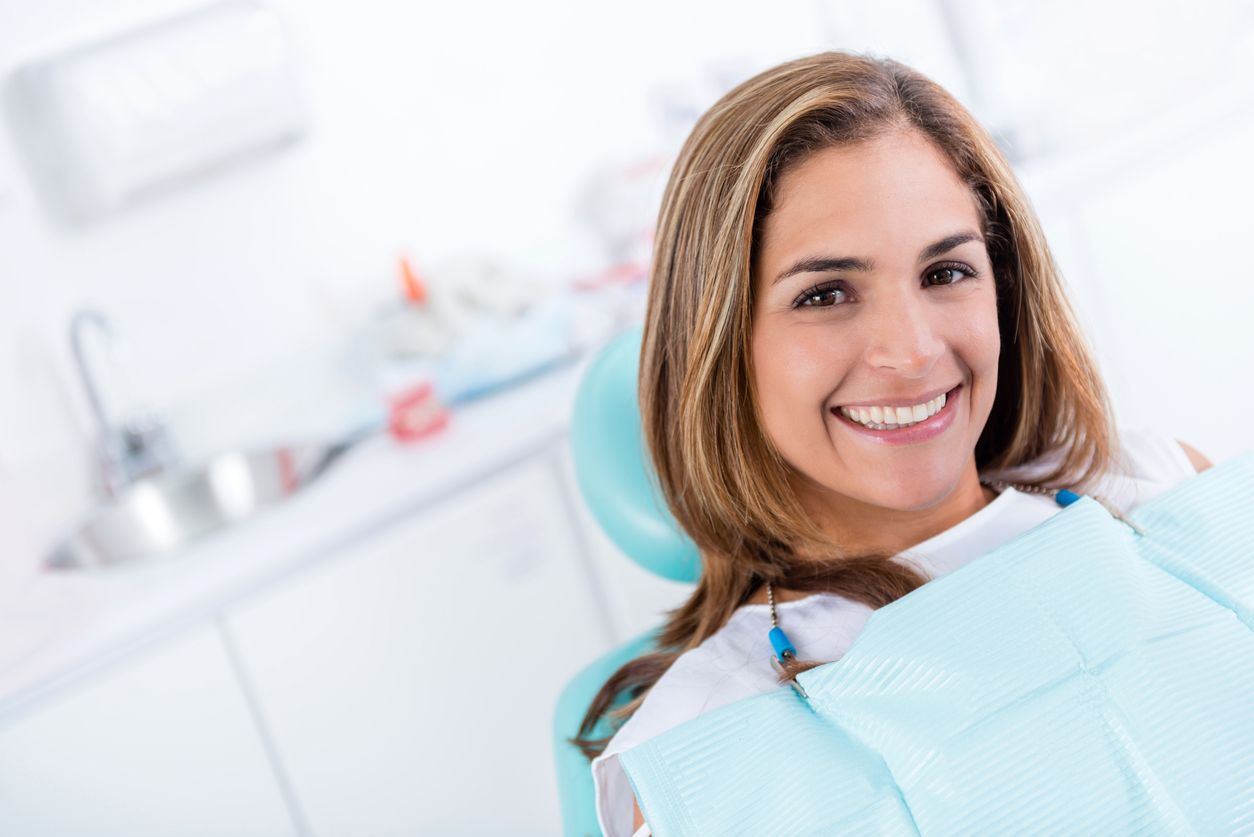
(415, 289)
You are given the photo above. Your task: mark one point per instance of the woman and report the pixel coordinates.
(855, 333)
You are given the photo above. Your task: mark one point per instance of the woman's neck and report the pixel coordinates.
(891, 531)
(861, 527)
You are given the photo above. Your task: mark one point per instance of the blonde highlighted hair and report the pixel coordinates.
(726, 485)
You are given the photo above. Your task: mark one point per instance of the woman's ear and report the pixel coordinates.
(1200, 463)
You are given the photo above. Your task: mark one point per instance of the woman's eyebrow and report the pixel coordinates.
(827, 264)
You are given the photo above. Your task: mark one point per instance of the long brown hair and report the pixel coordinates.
(726, 485)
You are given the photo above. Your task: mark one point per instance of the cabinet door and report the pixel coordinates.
(162, 745)
(410, 683)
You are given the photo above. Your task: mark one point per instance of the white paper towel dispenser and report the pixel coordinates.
(106, 124)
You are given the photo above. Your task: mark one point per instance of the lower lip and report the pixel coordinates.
(915, 433)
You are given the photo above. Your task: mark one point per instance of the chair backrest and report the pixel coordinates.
(620, 488)
(612, 468)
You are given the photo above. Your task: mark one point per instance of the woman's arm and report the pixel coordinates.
(1200, 463)
(637, 821)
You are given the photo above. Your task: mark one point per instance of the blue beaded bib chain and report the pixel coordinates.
(786, 652)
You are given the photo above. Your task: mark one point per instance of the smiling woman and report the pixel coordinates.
(886, 331)
(855, 332)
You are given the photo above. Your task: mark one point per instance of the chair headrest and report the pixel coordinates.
(612, 467)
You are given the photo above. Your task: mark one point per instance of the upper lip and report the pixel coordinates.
(908, 401)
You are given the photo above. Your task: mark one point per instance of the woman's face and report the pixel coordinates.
(873, 287)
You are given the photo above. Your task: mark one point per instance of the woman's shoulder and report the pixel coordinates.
(1148, 462)
(735, 662)
(1154, 455)
(731, 664)
(699, 680)
(719, 670)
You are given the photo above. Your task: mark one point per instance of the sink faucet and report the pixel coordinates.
(136, 447)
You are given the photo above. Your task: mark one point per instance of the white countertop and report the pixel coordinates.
(57, 626)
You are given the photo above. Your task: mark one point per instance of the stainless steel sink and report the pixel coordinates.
(151, 503)
(161, 514)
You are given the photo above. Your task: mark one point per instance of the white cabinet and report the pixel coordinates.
(162, 745)
(409, 684)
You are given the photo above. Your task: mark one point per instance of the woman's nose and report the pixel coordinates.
(903, 335)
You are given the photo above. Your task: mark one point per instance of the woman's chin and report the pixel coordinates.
(914, 502)
(908, 493)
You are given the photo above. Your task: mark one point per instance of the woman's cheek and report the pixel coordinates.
(978, 328)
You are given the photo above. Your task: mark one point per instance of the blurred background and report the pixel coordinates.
(296, 300)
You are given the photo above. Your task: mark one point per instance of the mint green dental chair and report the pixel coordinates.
(619, 488)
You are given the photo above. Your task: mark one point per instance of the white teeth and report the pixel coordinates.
(884, 418)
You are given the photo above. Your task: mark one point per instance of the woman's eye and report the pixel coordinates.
(955, 273)
(819, 297)
(831, 295)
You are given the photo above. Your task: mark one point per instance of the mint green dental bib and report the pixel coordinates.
(1080, 679)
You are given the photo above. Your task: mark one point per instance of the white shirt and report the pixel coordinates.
(734, 662)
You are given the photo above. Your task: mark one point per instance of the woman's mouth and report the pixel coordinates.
(902, 425)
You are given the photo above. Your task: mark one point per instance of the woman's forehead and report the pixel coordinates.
(893, 192)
